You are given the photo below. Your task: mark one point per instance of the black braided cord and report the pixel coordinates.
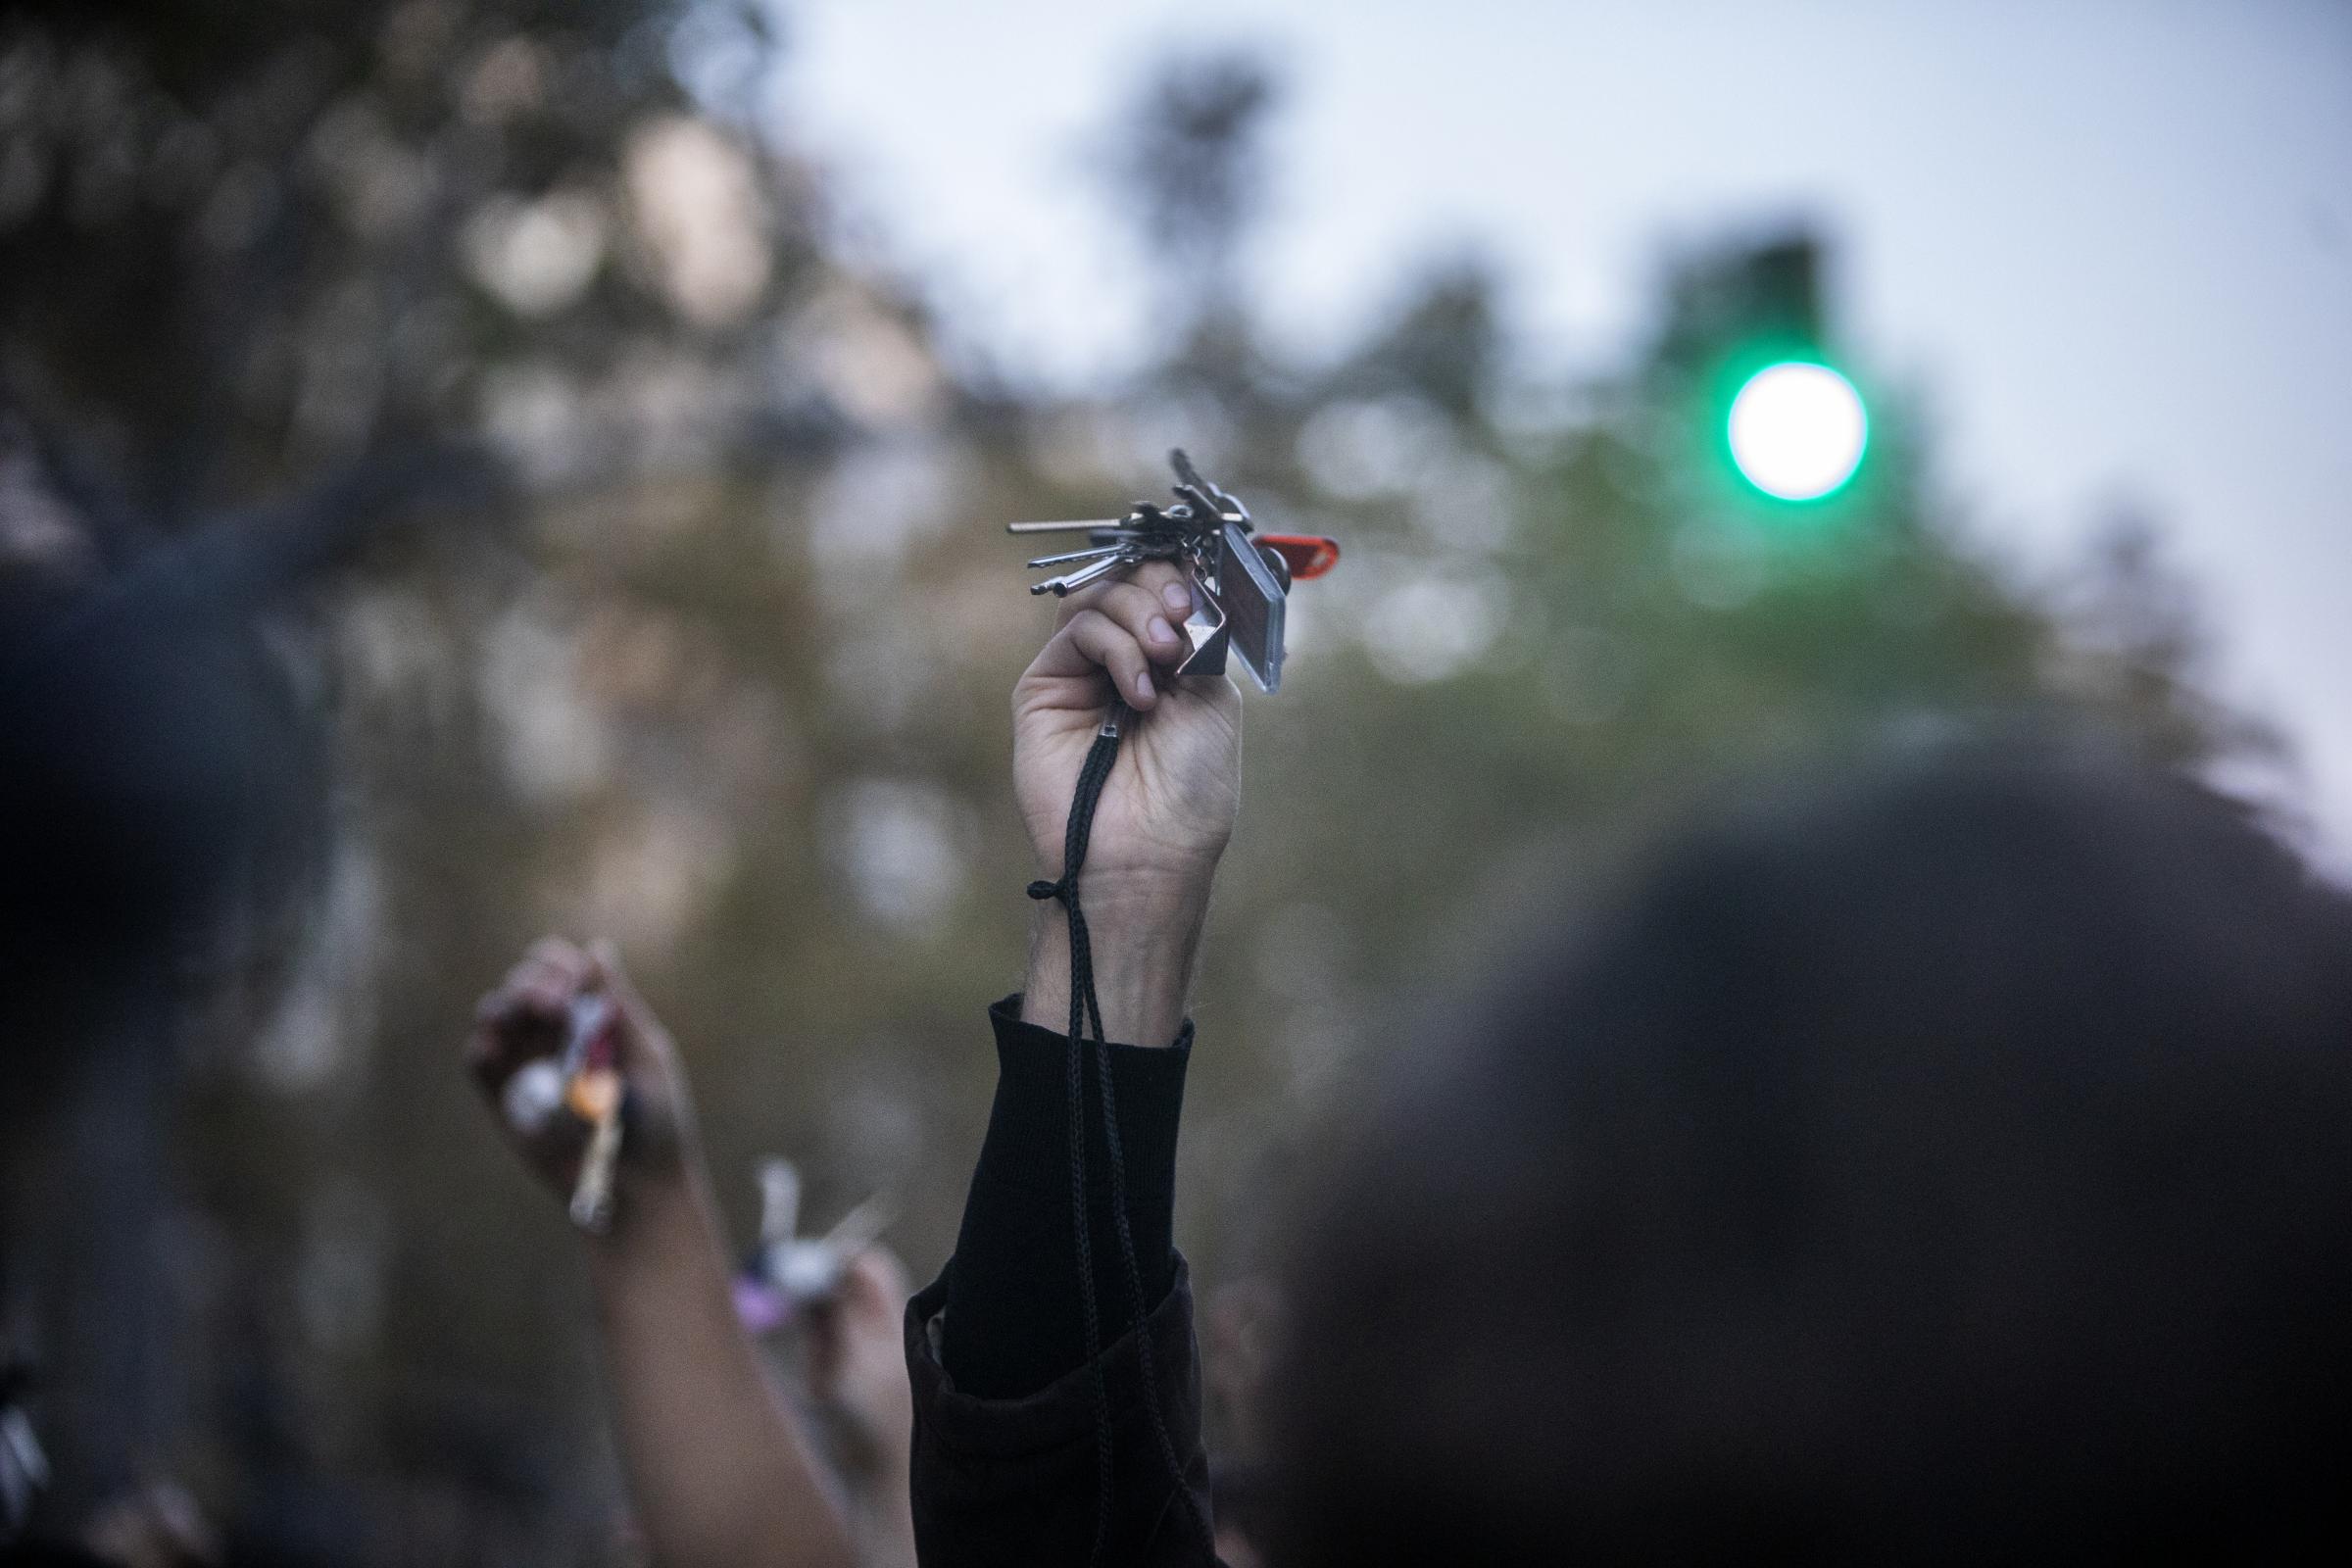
(1084, 1004)
(1086, 1015)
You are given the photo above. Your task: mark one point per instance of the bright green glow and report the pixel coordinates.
(1797, 430)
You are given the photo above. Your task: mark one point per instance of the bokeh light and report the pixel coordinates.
(1797, 430)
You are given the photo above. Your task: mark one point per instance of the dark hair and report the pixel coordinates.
(1951, 1158)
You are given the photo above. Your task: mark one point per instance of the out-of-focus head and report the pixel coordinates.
(156, 770)
(1947, 1157)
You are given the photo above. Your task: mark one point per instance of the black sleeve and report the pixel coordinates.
(1014, 1319)
(1006, 1457)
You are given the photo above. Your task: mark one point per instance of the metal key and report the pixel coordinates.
(1095, 554)
(594, 1091)
(1073, 581)
(592, 1199)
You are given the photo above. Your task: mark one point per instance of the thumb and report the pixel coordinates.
(643, 1035)
(874, 1286)
(821, 1332)
(660, 1105)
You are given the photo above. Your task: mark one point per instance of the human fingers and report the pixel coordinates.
(542, 982)
(1092, 641)
(523, 1087)
(873, 1287)
(560, 954)
(642, 1034)
(524, 1015)
(1145, 616)
(1162, 581)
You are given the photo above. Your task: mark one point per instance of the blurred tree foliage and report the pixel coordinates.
(733, 690)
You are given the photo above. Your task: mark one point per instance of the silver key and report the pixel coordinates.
(1240, 600)
(1059, 586)
(1095, 554)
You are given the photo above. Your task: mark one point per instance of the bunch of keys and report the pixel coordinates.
(586, 1081)
(1240, 578)
(788, 1271)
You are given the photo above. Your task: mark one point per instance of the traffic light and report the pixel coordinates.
(1797, 430)
(1744, 357)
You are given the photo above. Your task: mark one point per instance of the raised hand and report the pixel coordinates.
(1166, 812)
(524, 1021)
(857, 1358)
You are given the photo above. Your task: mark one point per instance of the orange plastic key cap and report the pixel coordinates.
(1308, 555)
(594, 1094)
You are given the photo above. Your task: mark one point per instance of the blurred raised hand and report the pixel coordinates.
(857, 1362)
(857, 1357)
(521, 1026)
(719, 1468)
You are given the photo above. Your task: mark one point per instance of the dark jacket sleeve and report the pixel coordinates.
(1006, 1462)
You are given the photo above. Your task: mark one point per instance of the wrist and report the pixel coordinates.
(1143, 952)
(1165, 887)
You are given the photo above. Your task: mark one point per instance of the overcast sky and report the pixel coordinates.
(2112, 242)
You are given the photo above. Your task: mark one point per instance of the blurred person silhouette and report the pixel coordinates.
(720, 1468)
(1947, 1157)
(161, 795)
(1944, 1156)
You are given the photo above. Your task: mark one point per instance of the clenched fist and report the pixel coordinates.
(523, 1024)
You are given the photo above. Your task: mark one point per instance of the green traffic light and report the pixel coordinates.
(1799, 431)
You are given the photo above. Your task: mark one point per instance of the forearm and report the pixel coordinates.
(888, 1533)
(717, 1466)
